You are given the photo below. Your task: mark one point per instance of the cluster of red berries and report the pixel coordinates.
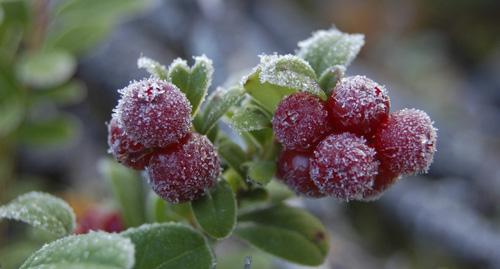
(151, 129)
(350, 147)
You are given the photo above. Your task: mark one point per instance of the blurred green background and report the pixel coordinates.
(61, 62)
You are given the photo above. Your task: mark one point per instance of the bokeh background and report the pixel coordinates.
(61, 63)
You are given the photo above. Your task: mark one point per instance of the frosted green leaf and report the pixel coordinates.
(153, 67)
(178, 74)
(41, 210)
(326, 48)
(45, 69)
(287, 232)
(216, 211)
(218, 104)
(170, 246)
(249, 118)
(96, 250)
(330, 77)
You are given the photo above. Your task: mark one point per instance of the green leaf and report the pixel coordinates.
(261, 172)
(12, 110)
(326, 48)
(330, 77)
(194, 81)
(153, 67)
(170, 246)
(42, 211)
(216, 211)
(265, 94)
(250, 118)
(76, 38)
(67, 94)
(290, 233)
(45, 69)
(233, 155)
(217, 105)
(158, 210)
(128, 191)
(49, 132)
(95, 250)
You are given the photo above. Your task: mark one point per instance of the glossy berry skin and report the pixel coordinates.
(406, 142)
(293, 169)
(125, 150)
(154, 112)
(300, 121)
(358, 105)
(183, 172)
(344, 166)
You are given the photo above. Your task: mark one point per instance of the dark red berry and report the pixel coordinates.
(358, 105)
(97, 220)
(183, 172)
(383, 181)
(406, 142)
(124, 149)
(293, 169)
(300, 121)
(344, 166)
(154, 112)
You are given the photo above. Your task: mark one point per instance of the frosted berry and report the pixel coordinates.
(406, 142)
(358, 105)
(344, 166)
(124, 149)
(293, 169)
(183, 172)
(383, 181)
(300, 121)
(154, 112)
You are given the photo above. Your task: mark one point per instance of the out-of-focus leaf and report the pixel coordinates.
(12, 113)
(158, 210)
(53, 131)
(128, 191)
(70, 93)
(93, 250)
(41, 210)
(326, 48)
(77, 38)
(45, 69)
(13, 255)
(290, 233)
(170, 246)
(216, 211)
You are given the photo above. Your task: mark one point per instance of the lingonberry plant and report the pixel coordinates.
(301, 123)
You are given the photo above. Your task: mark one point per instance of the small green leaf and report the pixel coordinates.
(67, 94)
(42, 211)
(194, 81)
(233, 155)
(46, 69)
(216, 211)
(326, 48)
(261, 172)
(77, 38)
(330, 77)
(290, 233)
(48, 132)
(94, 250)
(128, 191)
(153, 67)
(12, 110)
(218, 104)
(158, 210)
(250, 118)
(170, 246)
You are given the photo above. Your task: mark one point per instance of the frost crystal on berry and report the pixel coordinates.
(154, 112)
(293, 169)
(126, 151)
(406, 142)
(344, 166)
(358, 105)
(300, 121)
(183, 172)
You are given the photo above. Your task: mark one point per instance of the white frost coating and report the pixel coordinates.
(288, 71)
(95, 249)
(41, 210)
(153, 67)
(326, 48)
(178, 63)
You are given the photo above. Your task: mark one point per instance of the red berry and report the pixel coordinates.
(183, 172)
(406, 142)
(300, 121)
(124, 149)
(344, 166)
(358, 105)
(293, 169)
(94, 219)
(383, 181)
(154, 112)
